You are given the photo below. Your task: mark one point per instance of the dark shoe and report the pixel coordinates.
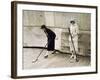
(54, 52)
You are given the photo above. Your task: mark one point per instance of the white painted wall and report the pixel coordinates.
(5, 41)
(58, 22)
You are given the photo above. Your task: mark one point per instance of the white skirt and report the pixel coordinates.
(74, 44)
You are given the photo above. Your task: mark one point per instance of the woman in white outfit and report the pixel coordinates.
(74, 30)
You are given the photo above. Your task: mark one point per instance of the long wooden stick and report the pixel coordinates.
(38, 55)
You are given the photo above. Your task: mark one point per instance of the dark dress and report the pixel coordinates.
(51, 39)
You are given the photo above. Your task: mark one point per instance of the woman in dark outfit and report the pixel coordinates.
(50, 40)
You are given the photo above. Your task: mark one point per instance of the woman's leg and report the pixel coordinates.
(71, 49)
(76, 46)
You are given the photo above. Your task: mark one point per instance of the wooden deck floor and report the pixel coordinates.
(57, 60)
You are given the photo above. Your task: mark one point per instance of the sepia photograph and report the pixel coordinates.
(53, 39)
(56, 39)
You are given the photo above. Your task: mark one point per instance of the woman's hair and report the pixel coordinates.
(43, 26)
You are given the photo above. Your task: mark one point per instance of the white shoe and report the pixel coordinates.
(75, 57)
(46, 56)
(72, 56)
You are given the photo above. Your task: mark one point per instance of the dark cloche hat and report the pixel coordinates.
(43, 26)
